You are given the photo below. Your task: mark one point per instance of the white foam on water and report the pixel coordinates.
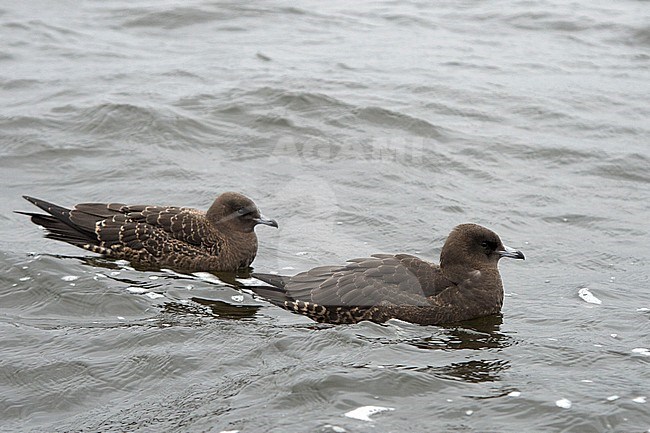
(363, 413)
(640, 399)
(70, 278)
(237, 298)
(613, 397)
(153, 295)
(206, 276)
(586, 295)
(563, 403)
(641, 351)
(173, 272)
(136, 290)
(514, 394)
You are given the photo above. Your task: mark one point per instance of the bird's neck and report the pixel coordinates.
(481, 277)
(242, 247)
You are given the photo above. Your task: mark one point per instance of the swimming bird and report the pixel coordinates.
(466, 284)
(180, 238)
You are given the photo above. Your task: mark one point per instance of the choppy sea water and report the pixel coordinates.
(363, 128)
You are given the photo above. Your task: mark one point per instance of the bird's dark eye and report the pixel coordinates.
(242, 211)
(488, 245)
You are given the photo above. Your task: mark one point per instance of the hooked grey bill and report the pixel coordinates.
(266, 221)
(511, 253)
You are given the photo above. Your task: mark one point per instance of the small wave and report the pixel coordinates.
(545, 21)
(639, 37)
(142, 124)
(579, 220)
(21, 83)
(299, 101)
(395, 120)
(632, 168)
(557, 156)
(174, 18)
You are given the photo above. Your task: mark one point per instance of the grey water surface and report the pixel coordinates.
(362, 127)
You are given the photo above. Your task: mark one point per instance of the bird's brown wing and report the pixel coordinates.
(365, 282)
(154, 228)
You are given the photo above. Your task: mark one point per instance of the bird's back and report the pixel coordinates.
(358, 290)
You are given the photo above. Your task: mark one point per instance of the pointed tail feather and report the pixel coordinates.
(60, 231)
(59, 224)
(56, 211)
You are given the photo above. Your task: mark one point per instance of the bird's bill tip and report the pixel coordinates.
(511, 253)
(266, 221)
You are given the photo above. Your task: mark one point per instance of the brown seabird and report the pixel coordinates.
(180, 238)
(466, 285)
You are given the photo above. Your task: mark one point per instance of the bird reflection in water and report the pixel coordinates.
(225, 310)
(475, 335)
(475, 371)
